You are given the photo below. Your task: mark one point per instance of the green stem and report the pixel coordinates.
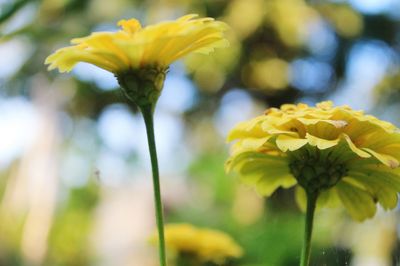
(308, 228)
(147, 112)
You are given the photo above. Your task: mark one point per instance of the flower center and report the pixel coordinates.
(142, 86)
(316, 170)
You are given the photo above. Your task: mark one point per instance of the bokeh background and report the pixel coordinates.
(75, 179)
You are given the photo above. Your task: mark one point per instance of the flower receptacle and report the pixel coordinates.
(316, 173)
(142, 86)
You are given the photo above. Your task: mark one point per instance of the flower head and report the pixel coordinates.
(341, 154)
(139, 57)
(204, 245)
(135, 47)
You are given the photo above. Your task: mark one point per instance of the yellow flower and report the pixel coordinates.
(139, 57)
(205, 245)
(135, 47)
(342, 155)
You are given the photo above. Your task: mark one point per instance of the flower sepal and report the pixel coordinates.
(142, 86)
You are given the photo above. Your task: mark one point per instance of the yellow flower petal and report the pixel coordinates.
(312, 121)
(267, 184)
(65, 59)
(266, 171)
(254, 143)
(381, 173)
(246, 129)
(353, 147)
(187, 17)
(287, 143)
(237, 162)
(359, 203)
(263, 167)
(136, 47)
(384, 158)
(102, 42)
(329, 198)
(384, 193)
(130, 26)
(325, 105)
(321, 143)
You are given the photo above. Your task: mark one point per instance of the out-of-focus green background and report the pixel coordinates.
(75, 179)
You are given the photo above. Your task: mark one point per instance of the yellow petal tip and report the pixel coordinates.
(130, 26)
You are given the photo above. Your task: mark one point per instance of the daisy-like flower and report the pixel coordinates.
(334, 154)
(200, 245)
(139, 59)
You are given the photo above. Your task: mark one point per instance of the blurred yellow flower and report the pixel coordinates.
(136, 47)
(340, 154)
(205, 245)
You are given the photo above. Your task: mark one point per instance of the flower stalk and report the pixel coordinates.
(308, 228)
(147, 112)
